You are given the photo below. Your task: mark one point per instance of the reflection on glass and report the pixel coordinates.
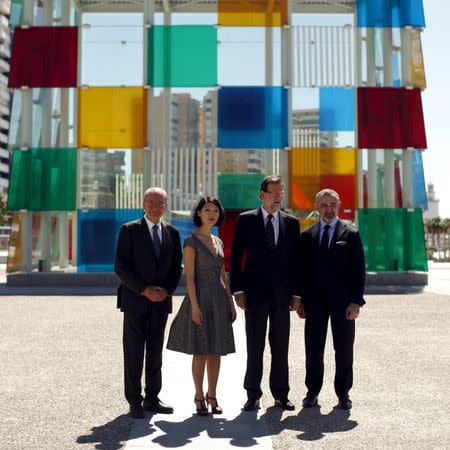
(111, 179)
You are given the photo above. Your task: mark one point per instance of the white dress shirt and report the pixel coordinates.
(330, 231)
(150, 228)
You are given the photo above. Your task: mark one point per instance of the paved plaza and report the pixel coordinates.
(62, 383)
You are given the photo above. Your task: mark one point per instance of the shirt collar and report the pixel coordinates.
(150, 223)
(265, 214)
(332, 223)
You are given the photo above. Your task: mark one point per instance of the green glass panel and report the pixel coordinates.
(16, 11)
(393, 239)
(43, 179)
(182, 55)
(239, 190)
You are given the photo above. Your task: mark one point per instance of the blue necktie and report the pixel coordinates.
(324, 242)
(156, 241)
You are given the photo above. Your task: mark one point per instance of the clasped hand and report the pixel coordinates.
(155, 293)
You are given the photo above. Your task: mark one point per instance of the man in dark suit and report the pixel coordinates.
(148, 263)
(264, 277)
(332, 288)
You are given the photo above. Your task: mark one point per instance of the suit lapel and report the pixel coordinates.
(165, 239)
(315, 234)
(338, 232)
(281, 229)
(145, 232)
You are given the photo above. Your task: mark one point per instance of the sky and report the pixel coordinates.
(436, 99)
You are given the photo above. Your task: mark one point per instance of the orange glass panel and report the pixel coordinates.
(306, 222)
(252, 13)
(15, 253)
(112, 117)
(302, 191)
(312, 169)
(417, 68)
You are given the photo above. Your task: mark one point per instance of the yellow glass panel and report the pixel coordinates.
(304, 161)
(15, 253)
(337, 161)
(112, 117)
(417, 68)
(252, 13)
(321, 161)
(306, 223)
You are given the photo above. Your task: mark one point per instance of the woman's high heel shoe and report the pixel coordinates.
(215, 408)
(201, 407)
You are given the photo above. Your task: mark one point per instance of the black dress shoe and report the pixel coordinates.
(310, 401)
(157, 406)
(345, 403)
(285, 404)
(136, 411)
(251, 405)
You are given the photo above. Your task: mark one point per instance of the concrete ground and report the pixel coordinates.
(61, 381)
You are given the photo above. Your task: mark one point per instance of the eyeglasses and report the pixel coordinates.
(281, 194)
(155, 204)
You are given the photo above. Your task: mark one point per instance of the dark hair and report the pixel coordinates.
(201, 203)
(270, 179)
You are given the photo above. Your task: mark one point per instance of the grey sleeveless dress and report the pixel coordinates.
(215, 336)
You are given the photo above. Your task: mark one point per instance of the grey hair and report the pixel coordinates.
(156, 190)
(329, 192)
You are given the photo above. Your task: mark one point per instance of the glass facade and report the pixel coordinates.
(209, 102)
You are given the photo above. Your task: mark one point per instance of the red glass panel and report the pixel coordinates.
(390, 118)
(226, 232)
(398, 186)
(44, 57)
(345, 186)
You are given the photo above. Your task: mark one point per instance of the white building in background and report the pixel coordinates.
(5, 54)
(433, 203)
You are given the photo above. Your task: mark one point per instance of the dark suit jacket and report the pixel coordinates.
(256, 270)
(137, 266)
(337, 279)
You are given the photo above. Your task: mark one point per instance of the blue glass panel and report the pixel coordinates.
(252, 117)
(390, 13)
(418, 181)
(336, 109)
(98, 230)
(186, 227)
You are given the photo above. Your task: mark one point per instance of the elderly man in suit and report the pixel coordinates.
(332, 289)
(148, 263)
(264, 277)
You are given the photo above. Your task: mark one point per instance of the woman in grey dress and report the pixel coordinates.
(203, 325)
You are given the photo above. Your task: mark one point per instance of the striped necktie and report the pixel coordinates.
(270, 233)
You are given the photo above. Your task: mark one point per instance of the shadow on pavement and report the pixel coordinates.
(242, 431)
(312, 424)
(110, 436)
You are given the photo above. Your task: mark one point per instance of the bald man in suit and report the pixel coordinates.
(332, 289)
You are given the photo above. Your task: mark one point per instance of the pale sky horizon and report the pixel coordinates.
(436, 100)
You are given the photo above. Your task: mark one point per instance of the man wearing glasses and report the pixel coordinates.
(148, 263)
(264, 277)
